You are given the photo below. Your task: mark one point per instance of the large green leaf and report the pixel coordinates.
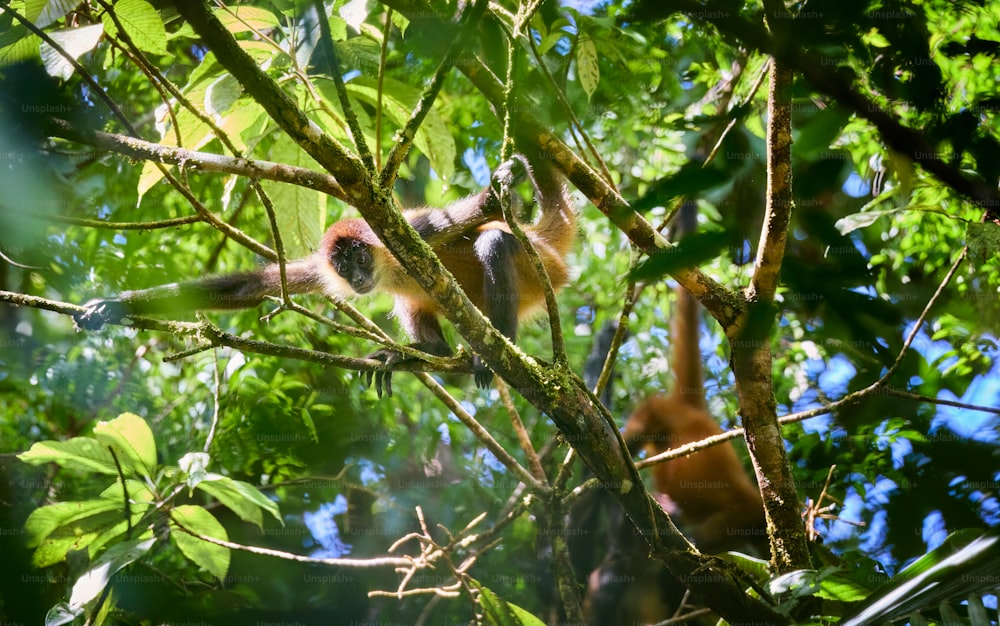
(956, 570)
(300, 211)
(213, 558)
(81, 454)
(57, 528)
(587, 67)
(142, 23)
(44, 521)
(398, 101)
(241, 19)
(499, 612)
(692, 251)
(132, 438)
(88, 533)
(242, 498)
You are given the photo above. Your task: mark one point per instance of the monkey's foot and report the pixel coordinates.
(390, 358)
(383, 377)
(99, 312)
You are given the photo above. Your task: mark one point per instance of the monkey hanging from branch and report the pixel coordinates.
(716, 500)
(709, 492)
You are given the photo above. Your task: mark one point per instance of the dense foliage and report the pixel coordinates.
(208, 439)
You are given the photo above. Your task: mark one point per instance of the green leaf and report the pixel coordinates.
(310, 425)
(44, 12)
(81, 454)
(861, 220)
(75, 42)
(398, 20)
(549, 41)
(875, 39)
(18, 44)
(44, 521)
(338, 28)
(213, 558)
(245, 122)
(300, 211)
(398, 100)
(139, 494)
(952, 571)
(242, 19)
(132, 439)
(57, 528)
(141, 22)
(242, 498)
(691, 251)
(799, 583)
(692, 179)
(89, 533)
(983, 240)
(221, 95)
(842, 589)
(95, 579)
(499, 612)
(757, 568)
(587, 67)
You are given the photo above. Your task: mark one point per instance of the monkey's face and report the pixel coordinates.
(353, 261)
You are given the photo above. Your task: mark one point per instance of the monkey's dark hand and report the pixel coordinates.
(383, 377)
(482, 374)
(100, 312)
(390, 358)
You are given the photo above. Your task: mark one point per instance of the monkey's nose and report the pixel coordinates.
(362, 284)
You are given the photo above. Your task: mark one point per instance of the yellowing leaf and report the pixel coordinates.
(587, 69)
(131, 437)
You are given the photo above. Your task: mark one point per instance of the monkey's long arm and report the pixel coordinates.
(240, 290)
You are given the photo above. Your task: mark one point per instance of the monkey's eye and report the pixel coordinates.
(364, 258)
(341, 263)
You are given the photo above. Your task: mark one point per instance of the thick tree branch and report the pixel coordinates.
(751, 345)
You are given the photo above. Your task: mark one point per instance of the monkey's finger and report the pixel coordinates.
(386, 383)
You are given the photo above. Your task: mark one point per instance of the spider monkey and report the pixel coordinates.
(468, 236)
(622, 585)
(708, 492)
(715, 497)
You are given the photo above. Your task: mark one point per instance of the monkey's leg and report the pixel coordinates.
(496, 250)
